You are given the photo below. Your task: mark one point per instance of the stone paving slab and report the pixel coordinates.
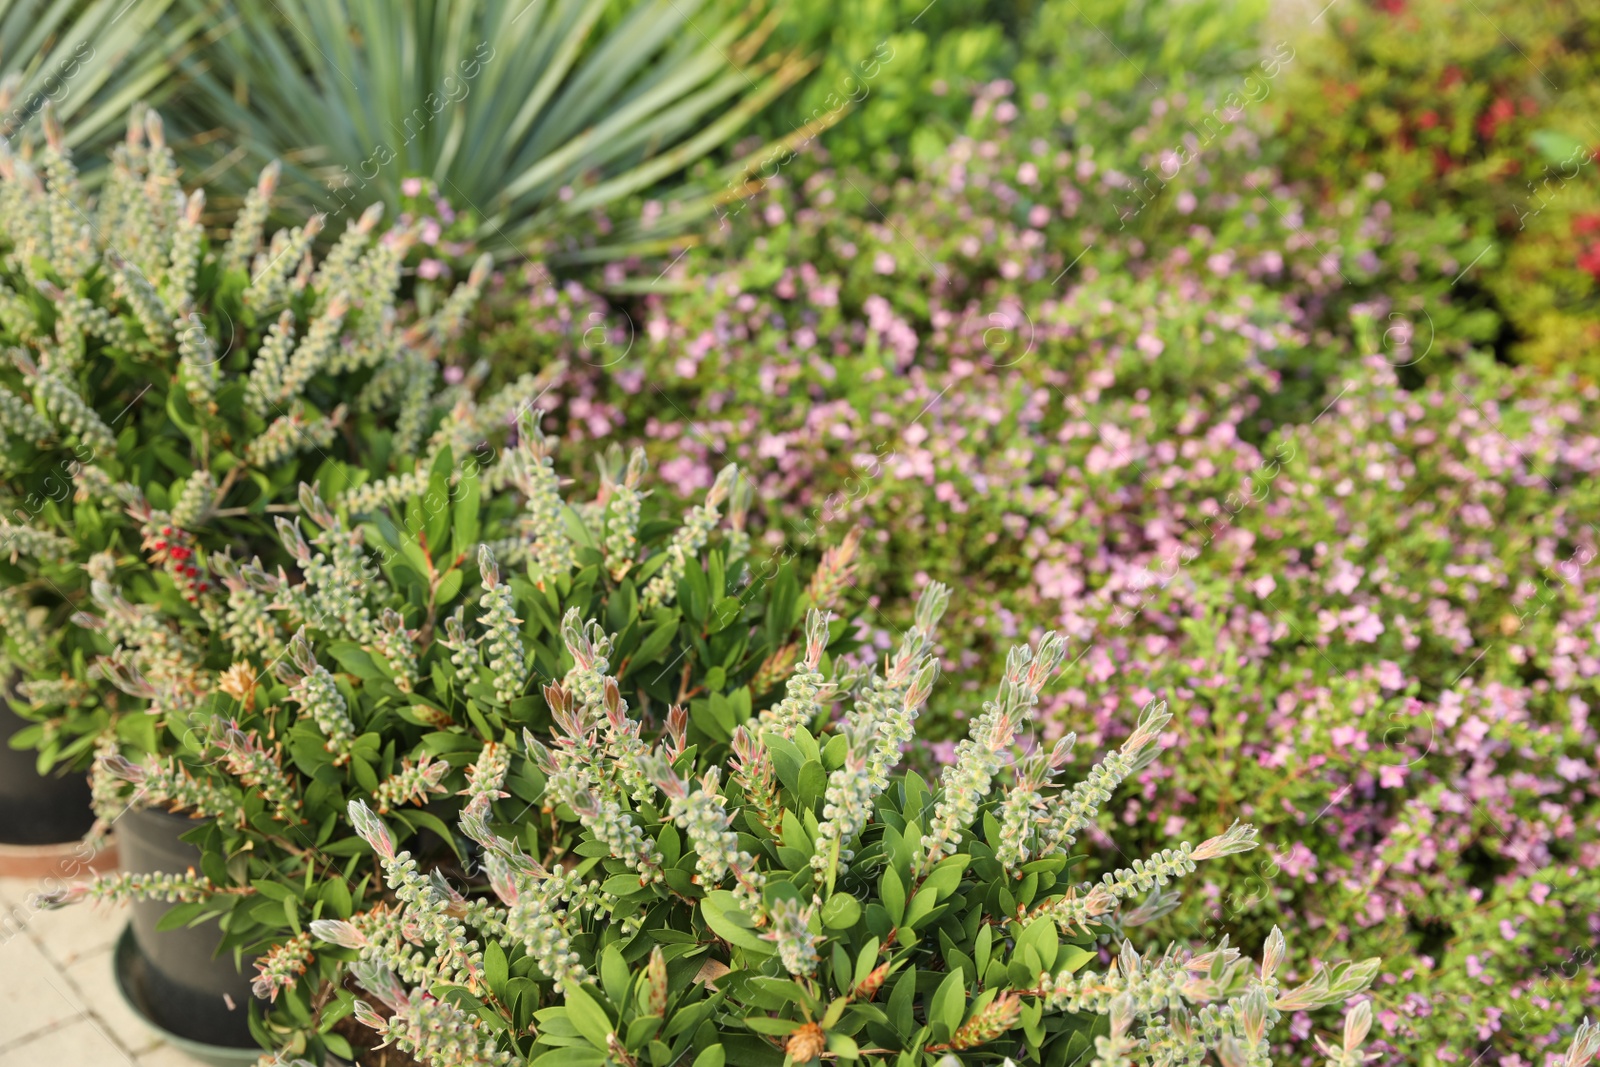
(59, 1005)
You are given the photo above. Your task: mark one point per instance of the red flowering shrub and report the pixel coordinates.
(1489, 122)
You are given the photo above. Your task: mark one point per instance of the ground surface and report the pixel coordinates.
(59, 1005)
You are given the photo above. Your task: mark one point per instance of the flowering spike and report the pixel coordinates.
(371, 829)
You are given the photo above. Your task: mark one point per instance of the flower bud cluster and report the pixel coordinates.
(966, 784)
(398, 646)
(791, 932)
(1073, 810)
(315, 690)
(282, 967)
(271, 272)
(432, 1031)
(249, 760)
(158, 782)
(834, 571)
(289, 434)
(501, 639)
(413, 783)
(846, 807)
(690, 538)
(533, 471)
(125, 886)
(621, 520)
(703, 816)
(252, 219)
(801, 705)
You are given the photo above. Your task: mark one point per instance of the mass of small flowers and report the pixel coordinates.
(1359, 554)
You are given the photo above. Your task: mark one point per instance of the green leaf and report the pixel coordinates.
(613, 974)
(921, 907)
(893, 894)
(724, 614)
(693, 594)
(465, 532)
(727, 920)
(983, 947)
(783, 606)
(711, 1057)
(1072, 958)
(336, 895)
(902, 1002)
(587, 1015)
(949, 1005)
(843, 1046)
(813, 783)
(867, 960)
(180, 915)
(946, 876)
(1555, 146)
(574, 1056)
(621, 885)
(786, 760)
(841, 912)
(655, 643)
(763, 1024)
(273, 890)
(703, 713)
(494, 968)
(1040, 935)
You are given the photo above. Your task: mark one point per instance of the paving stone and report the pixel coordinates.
(74, 933)
(165, 1056)
(34, 995)
(78, 1044)
(12, 889)
(93, 979)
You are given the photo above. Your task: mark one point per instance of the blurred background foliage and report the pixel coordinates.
(584, 131)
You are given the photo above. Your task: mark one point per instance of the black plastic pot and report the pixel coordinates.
(185, 986)
(36, 809)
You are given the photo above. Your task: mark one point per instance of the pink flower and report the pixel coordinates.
(1348, 737)
(430, 268)
(411, 187)
(883, 263)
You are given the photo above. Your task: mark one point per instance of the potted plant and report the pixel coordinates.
(631, 888)
(807, 900)
(397, 666)
(162, 395)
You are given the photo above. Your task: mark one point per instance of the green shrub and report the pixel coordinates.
(669, 913)
(399, 667)
(162, 397)
(1490, 125)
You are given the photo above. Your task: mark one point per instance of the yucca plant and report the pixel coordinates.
(90, 61)
(806, 900)
(161, 397)
(526, 113)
